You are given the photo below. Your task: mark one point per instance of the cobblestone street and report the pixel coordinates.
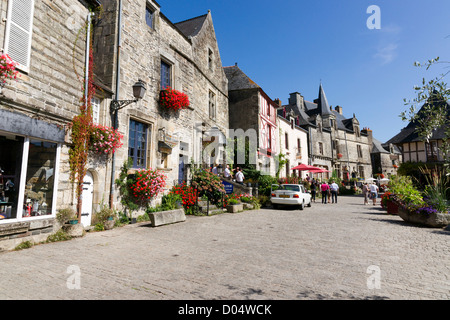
(324, 252)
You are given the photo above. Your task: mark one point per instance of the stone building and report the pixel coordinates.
(48, 39)
(386, 158)
(184, 56)
(336, 143)
(43, 37)
(253, 116)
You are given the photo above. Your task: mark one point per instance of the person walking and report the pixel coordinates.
(366, 190)
(324, 188)
(313, 191)
(334, 188)
(374, 193)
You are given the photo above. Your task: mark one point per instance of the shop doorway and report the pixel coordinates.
(87, 196)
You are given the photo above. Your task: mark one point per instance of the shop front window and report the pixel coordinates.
(11, 149)
(39, 182)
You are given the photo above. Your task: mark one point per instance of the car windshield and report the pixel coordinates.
(290, 188)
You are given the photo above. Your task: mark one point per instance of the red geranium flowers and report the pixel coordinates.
(173, 99)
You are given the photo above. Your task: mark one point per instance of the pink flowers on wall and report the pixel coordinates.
(105, 140)
(7, 68)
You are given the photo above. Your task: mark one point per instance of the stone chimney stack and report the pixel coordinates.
(278, 102)
(369, 135)
(338, 109)
(296, 99)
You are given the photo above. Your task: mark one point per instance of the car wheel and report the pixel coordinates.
(309, 204)
(302, 206)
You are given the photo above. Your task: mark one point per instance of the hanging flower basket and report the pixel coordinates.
(105, 140)
(173, 100)
(339, 155)
(7, 69)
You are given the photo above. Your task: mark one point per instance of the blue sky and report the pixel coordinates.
(290, 46)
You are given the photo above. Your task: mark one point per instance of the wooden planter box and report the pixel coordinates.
(434, 220)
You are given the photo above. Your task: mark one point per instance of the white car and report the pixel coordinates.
(290, 194)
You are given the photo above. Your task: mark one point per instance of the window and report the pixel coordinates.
(166, 75)
(39, 184)
(95, 102)
(286, 141)
(299, 147)
(269, 137)
(137, 143)
(149, 16)
(320, 148)
(358, 148)
(19, 29)
(210, 59)
(212, 105)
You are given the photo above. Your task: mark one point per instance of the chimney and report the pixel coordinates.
(338, 109)
(369, 134)
(278, 102)
(296, 99)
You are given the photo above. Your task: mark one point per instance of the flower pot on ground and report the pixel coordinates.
(391, 207)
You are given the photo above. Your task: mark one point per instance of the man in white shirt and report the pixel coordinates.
(227, 173)
(240, 177)
(334, 188)
(374, 192)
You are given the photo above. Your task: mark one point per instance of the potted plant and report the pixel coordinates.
(106, 217)
(67, 216)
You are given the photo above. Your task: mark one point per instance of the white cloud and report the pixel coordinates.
(386, 54)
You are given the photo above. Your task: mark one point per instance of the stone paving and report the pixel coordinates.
(329, 251)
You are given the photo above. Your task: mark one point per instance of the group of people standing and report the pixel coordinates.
(329, 191)
(237, 174)
(370, 191)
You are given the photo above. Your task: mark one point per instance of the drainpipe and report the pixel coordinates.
(115, 117)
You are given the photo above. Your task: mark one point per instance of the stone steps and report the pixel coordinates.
(213, 209)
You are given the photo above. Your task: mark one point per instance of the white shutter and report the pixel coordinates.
(19, 28)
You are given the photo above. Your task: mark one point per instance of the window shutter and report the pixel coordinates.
(18, 31)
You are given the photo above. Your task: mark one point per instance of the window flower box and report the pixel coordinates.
(173, 99)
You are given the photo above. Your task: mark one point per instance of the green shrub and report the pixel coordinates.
(60, 235)
(24, 245)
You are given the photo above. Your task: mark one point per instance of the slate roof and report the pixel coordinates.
(409, 134)
(378, 147)
(238, 80)
(191, 27)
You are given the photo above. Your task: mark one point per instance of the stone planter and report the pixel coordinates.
(233, 208)
(167, 217)
(434, 220)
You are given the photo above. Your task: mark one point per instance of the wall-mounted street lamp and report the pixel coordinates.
(138, 93)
